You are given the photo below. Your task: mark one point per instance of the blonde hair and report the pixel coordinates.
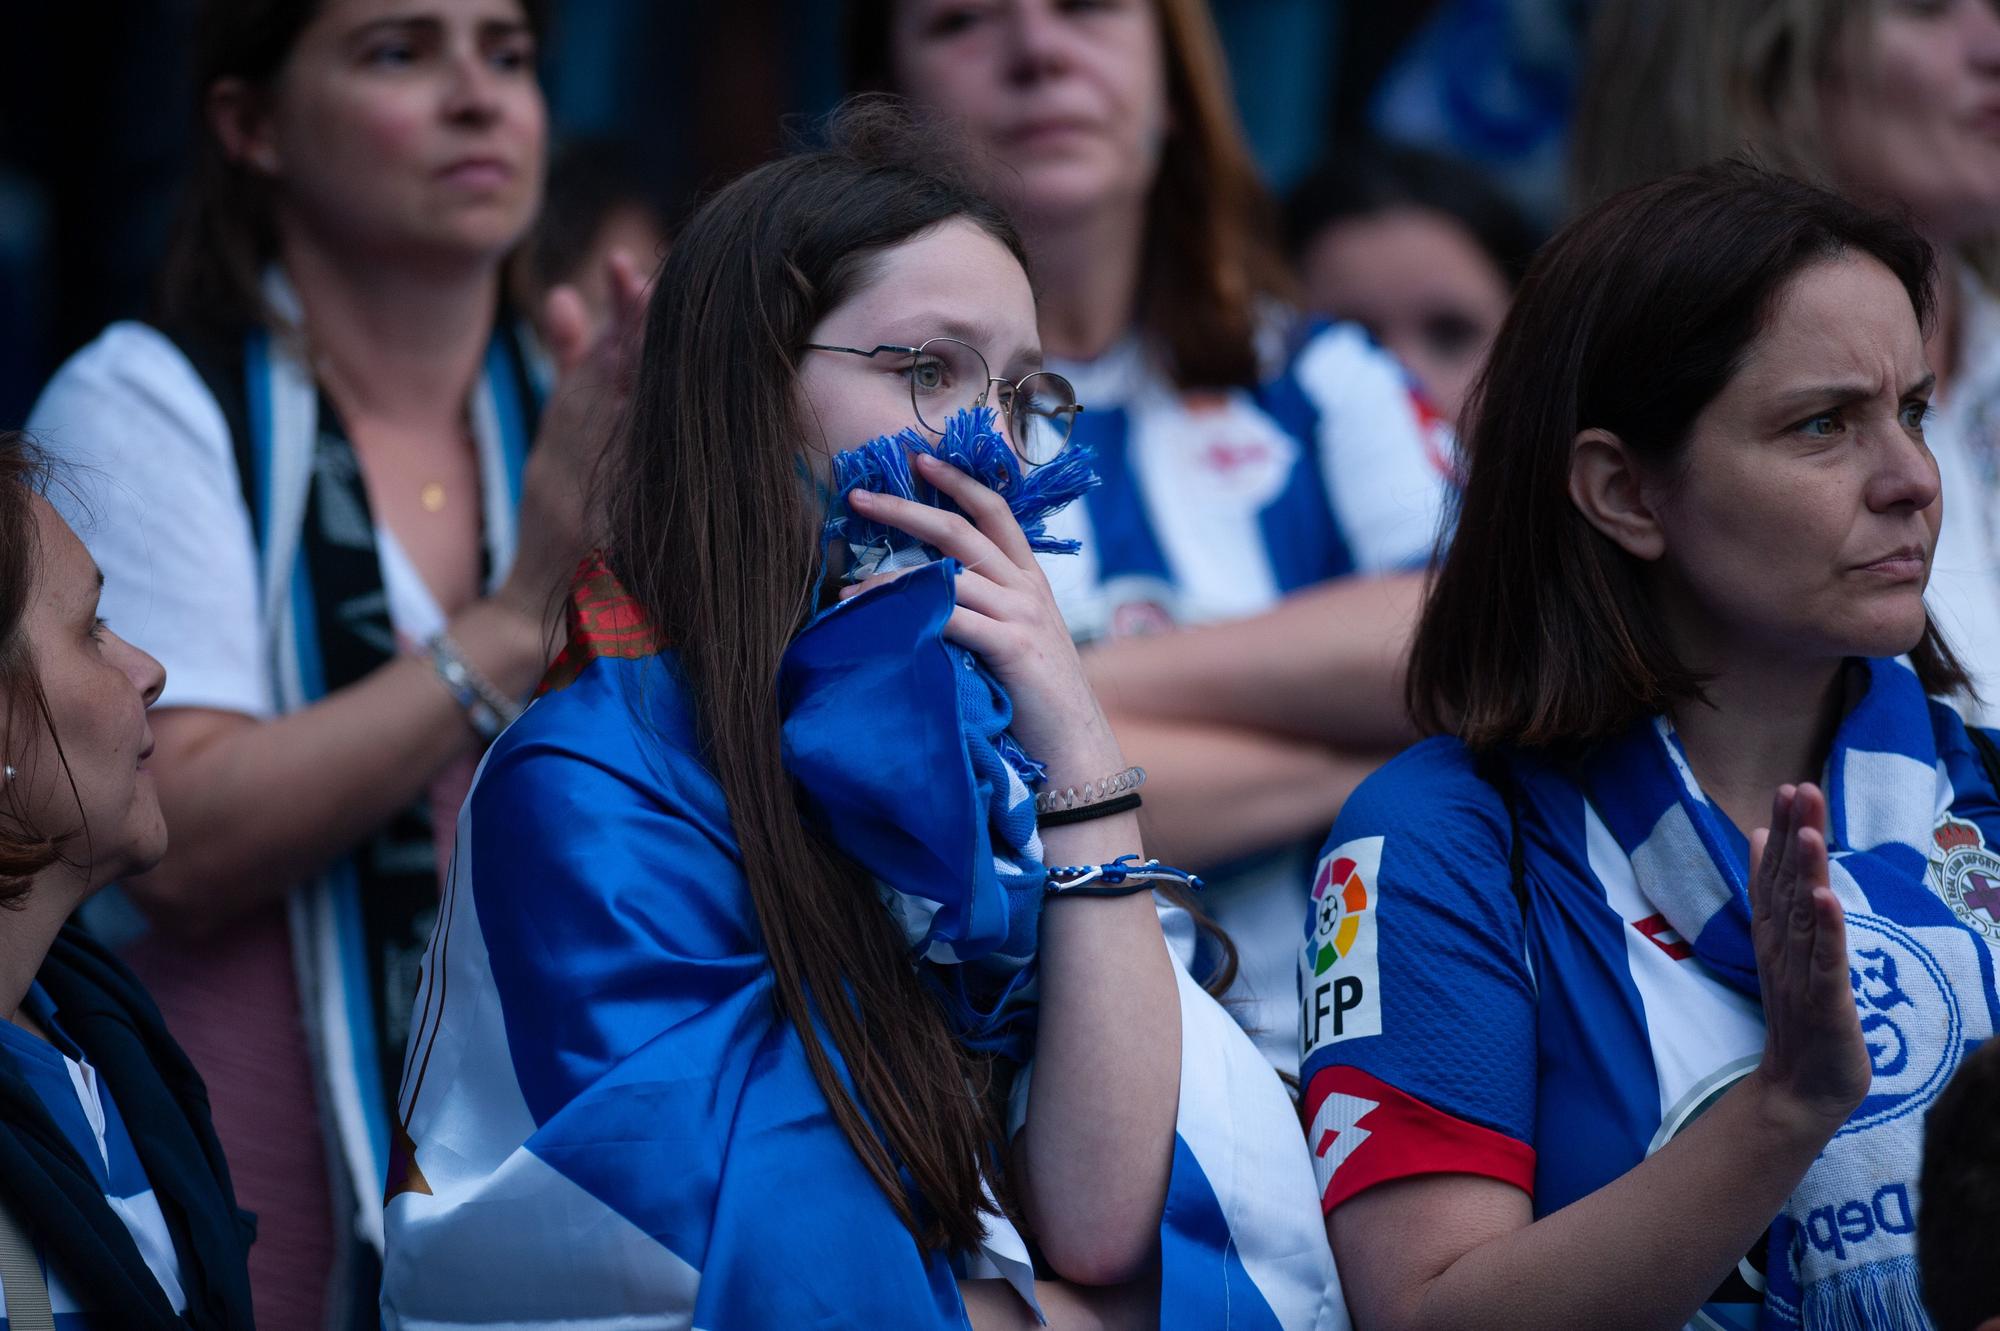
(1671, 84)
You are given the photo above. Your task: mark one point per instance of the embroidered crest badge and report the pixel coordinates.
(1966, 874)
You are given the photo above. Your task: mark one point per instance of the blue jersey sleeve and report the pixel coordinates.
(1417, 1001)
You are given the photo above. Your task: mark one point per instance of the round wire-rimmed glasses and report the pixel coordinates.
(948, 376)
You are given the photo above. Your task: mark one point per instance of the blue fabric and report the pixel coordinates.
(1459, 1007)
(893, 736)
(1914, 966)
(1202, 1280)
(633, 1014)
(972, 444)
(983, 929)
(640, 1022)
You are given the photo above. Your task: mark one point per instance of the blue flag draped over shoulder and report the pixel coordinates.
(606, 1120)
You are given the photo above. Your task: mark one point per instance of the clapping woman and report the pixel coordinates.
(324, 494)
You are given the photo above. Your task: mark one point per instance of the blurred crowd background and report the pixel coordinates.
(653, 100)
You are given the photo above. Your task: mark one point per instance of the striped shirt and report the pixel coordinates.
(1553, 1041)
(1215, 506)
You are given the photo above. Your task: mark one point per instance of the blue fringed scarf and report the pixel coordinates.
(1842, 1253)
(969, 904)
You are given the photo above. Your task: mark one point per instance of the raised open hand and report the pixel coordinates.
(1814, 1057)
(593, 384)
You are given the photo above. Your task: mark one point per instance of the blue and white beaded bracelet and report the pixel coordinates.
(1121, 878)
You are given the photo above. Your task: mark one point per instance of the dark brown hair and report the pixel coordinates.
(24, 849)
(715, 533)
(1538, 629)
(1212, 256)
(1960, 1186)
(224, 235)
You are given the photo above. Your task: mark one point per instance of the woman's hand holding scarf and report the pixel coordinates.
(1095, 1152)
(1815, 1066)
(1008, 616)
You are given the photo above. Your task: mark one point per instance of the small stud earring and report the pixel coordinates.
(10, 772)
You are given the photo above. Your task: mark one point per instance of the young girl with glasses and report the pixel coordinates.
(765, 991)
(1247, 578)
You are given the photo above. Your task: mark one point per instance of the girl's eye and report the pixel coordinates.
(1450, 333)
(391, 55)
(1823, 426)
(514, 59)
(951, 20)
(928, 375)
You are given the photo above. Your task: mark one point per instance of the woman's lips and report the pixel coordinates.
(1898, 565)
(477, 173)
(1040, 133)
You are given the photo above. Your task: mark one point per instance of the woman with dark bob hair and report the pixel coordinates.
(1625, 992)
(115, 1203)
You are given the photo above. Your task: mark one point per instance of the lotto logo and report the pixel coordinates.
(1339, 973)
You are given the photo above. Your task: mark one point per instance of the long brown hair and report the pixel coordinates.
(1538, 630)
(1212, 254)
(715, 532)
(225, 234)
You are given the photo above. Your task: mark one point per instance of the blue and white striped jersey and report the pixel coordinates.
(1557, 1040)
(82, 1107)
(1216, 505)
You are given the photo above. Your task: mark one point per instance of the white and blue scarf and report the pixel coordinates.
(1921, 964)
(981, 944)
(308, 512)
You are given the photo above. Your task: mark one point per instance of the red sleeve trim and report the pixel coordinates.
(1362, 1131)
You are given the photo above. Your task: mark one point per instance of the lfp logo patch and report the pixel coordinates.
(1339, 978)
(1340, 898)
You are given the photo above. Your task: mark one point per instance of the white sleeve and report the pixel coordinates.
(1383, 453)
(146, 475)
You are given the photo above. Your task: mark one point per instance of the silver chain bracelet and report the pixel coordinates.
(1091, 792)
(488, 709)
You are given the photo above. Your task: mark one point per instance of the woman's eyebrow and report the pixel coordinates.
(1024, 362)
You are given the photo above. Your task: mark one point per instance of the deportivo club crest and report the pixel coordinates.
(1967, 875)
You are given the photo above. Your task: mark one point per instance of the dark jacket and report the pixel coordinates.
(165, 1106)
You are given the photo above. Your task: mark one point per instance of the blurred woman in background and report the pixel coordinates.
(1896, 104)
(1252, 464)
(314, 497)
(1418, 249)
(115, 1204)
